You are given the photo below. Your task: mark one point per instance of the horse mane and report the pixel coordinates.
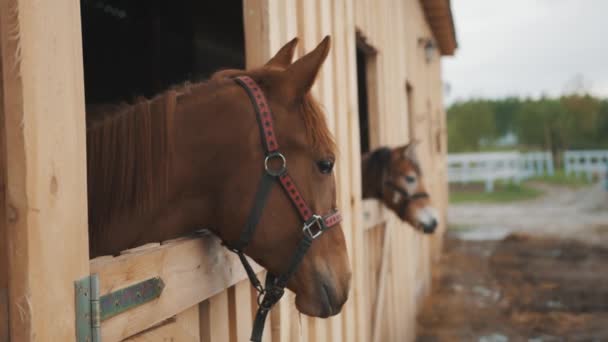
(316, 126)
(376, 166)
(129, 152)
(128, 149)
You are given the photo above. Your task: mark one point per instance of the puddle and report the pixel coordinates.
(494, 338)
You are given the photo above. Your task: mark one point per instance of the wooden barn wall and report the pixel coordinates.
(44, 145)
(393, 27)
(429, 115)
(207, 296)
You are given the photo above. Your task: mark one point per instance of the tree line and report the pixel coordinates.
(551, 124)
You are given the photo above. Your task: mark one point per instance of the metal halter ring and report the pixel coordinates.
(314, 221)
(275, 172)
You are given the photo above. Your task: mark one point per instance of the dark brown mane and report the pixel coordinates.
(129, 149)
(316, 126)
(128, 154)
(376, 166)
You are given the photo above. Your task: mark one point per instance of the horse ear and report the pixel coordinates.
(301, 75)
(284, 56)
(409, 151)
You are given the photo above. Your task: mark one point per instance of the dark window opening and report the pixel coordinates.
(363, 101)
(366, 91)
(139, 49)
(410, 110)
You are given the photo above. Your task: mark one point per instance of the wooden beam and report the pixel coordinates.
(261, 31)
(359, 291)
(215, 319)
(193, 270)
(381, 288)
(374, 213)
(183, 327)
(4, 331)
(439, 17)
(240, 310)
(46, 216)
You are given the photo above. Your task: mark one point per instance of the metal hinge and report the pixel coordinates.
(91, 309)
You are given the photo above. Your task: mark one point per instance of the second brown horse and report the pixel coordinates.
(394, 177)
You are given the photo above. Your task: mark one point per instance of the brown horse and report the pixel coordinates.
(191, 158)
(393, 176)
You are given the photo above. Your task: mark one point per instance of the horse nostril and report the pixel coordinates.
(327, 300)
(430, 227)
(331, 303)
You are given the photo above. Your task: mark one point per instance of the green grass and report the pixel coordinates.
(459, 227)
(503, 193)
(560, 178)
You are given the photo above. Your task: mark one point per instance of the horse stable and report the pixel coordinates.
(378, 84)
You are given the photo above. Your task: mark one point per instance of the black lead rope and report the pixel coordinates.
(274, 288)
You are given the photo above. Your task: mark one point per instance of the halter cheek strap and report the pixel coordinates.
(313, 224)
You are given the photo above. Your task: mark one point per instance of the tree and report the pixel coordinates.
(574, 121)
(469, 123)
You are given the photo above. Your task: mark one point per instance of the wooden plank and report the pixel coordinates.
(205, 321)
(183, 327)
(214, 319)
(46, 173)
(281, 319)
(219, 318)
(374, 213)
(359, 288)
(293, 317)
(256, 23)
(240, 310)
(290, 19)
(381, 288)
(262, 30)
(306, 332)
(4, 331)
(192, 270)
(340, 34)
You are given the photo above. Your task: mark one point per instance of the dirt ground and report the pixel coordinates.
(526, 271)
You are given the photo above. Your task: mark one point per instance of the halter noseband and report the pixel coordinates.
(313, 225)
(406, 195)
(391, 185)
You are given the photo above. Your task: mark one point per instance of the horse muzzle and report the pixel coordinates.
(427, 219)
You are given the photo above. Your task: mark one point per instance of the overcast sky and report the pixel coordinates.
(528, 48)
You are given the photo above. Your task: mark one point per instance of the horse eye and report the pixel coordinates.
(410, 179)
(325, 166)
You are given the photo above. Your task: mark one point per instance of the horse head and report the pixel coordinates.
(394, 177)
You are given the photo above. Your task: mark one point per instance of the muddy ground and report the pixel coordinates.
(543, 277)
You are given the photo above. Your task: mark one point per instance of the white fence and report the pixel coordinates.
(489, 167)
(589, 163)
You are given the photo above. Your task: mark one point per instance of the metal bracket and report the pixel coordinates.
(91, 309)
